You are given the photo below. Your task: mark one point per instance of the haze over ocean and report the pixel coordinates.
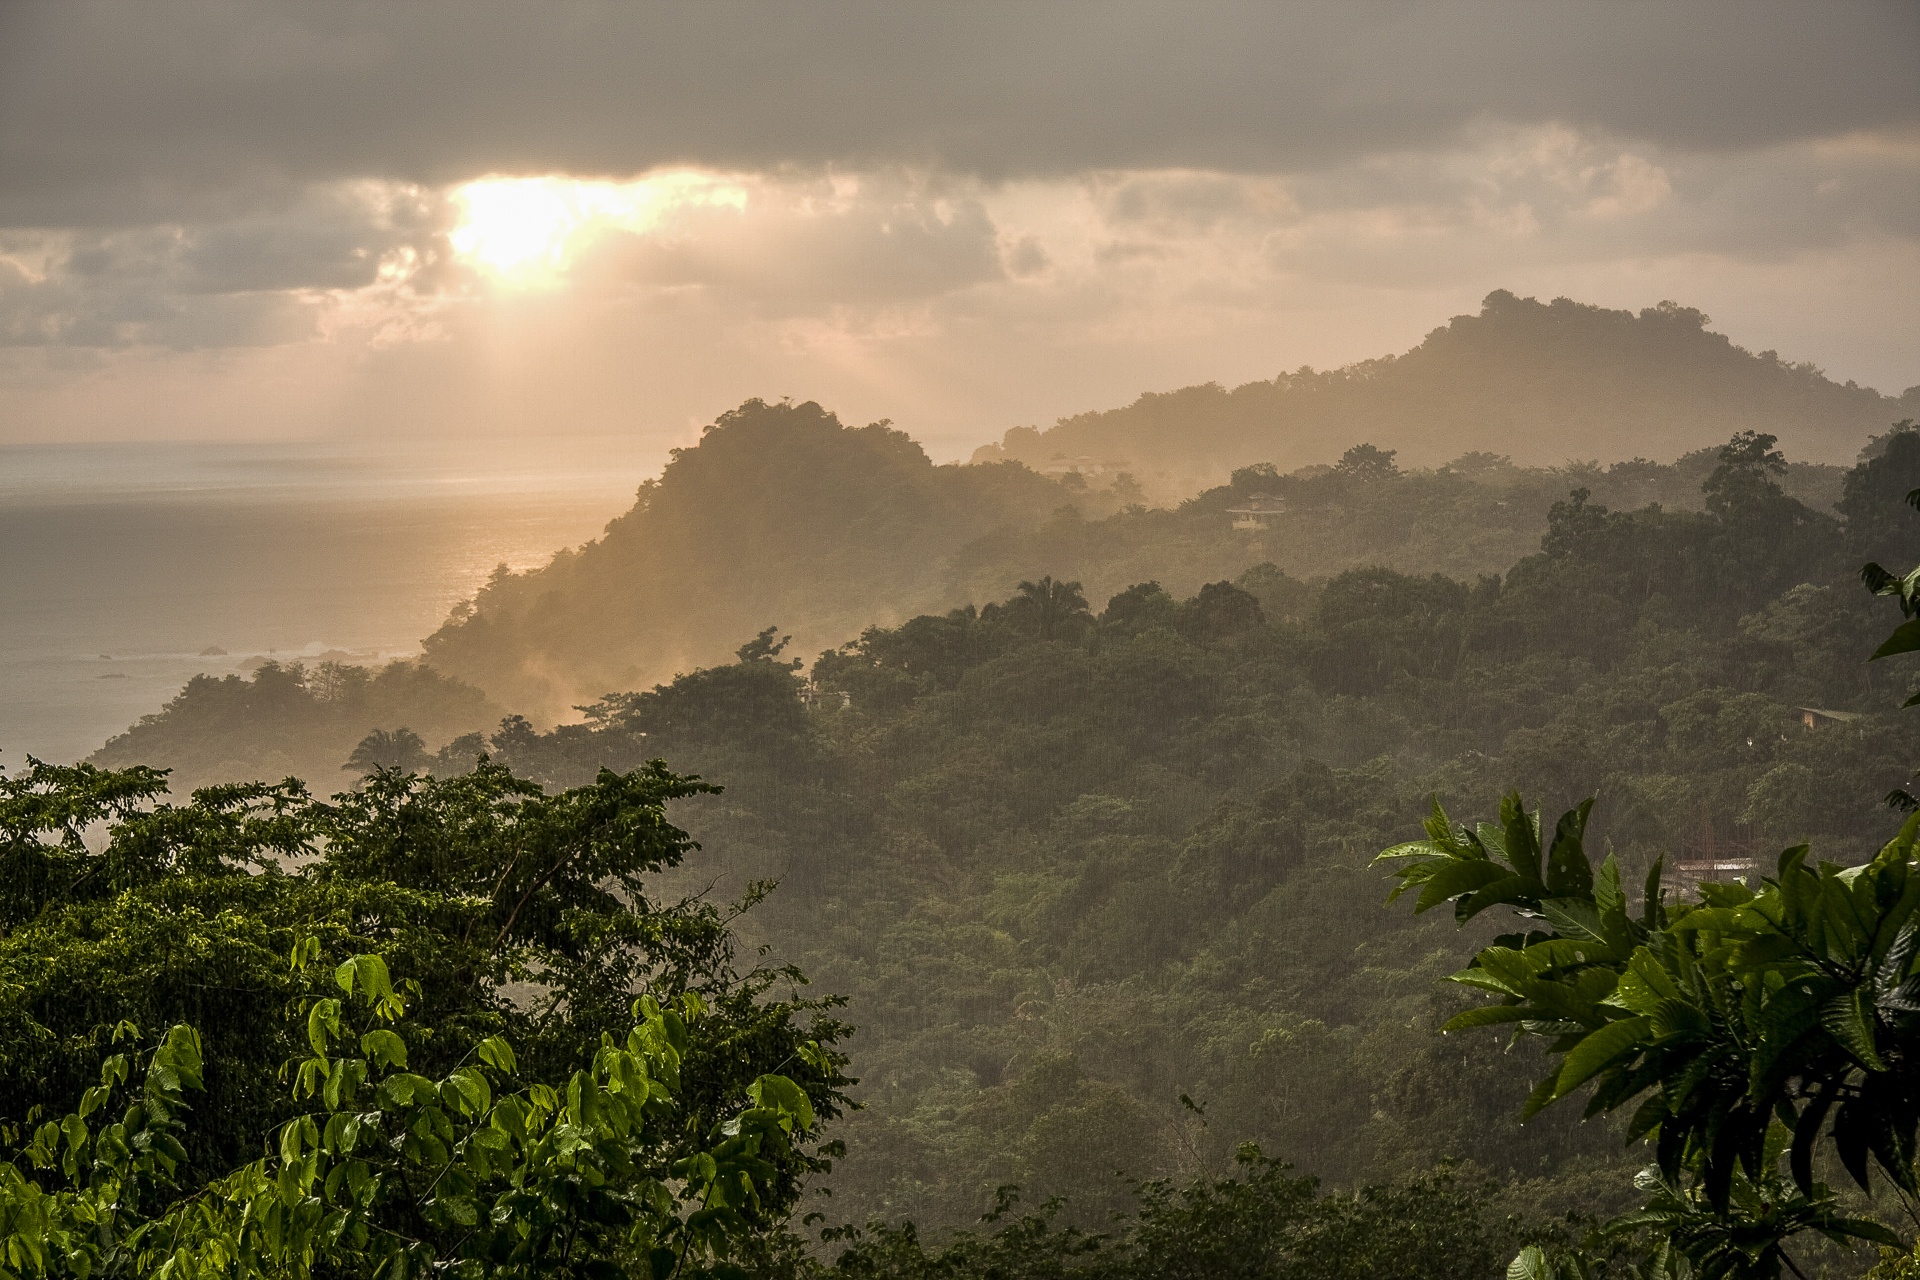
(122, 564)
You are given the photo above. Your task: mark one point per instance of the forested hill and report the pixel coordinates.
(1071, 863)
(782, 513)
(1075, 859)
(778, 512)
(1542, 382)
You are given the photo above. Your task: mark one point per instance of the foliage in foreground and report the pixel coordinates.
(522, 919)
(1758, 1025)
(1736, 1028)
(405, 1135)
(386, 1173)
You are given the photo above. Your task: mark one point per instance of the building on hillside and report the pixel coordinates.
(1709, 855)
(812, 695)
(1686, 874)
(1816, 718)
(1257, 513)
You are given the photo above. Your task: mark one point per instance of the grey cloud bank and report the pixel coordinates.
(224, 219)
(111, 111)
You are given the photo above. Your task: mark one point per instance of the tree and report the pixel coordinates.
(1049, 610)
(1366, 462)
(764, 648)
(1143, 605)
(382, 1172)
(1747, 475)
(1260, 477)
(1765, 540)
(1570, 521)
(1872, 499)
(517, 913)
(399, 749)
(1221, 610)
(1737, 1026)
(1374, 625)
(1264, 1221)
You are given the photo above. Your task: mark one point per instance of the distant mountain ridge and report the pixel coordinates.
(1544, 383)
(782, 514)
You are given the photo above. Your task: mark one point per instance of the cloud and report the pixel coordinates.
(808, 245)
(893, 251)
(260, 278)
(183, 109)
(218, 215)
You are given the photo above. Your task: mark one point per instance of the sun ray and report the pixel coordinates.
(528, 230)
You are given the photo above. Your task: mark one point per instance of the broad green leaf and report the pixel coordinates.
(384, 1048)
(1456, 878)
(323, 1025)
(1644, 985)
(1574, 918)
(1520, 830)
(1530, 1264)
(404, 1090)
(1847, 1018)
(1905, 639)
(784, 1096)
(369, 974)
(498, 1054)
(1569, 874)
(1543, 1093)
(1565, 953)
(471, 1087)
(1597, 1050)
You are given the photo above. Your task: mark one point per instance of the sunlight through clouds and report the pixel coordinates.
(956, 301)
(526, 231)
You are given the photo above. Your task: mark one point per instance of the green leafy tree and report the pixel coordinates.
(383, 1172)
(1747, 477)
(1261, 1223)
(518, 913)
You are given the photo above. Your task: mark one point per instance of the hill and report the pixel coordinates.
(1543, 382)
(781, 512)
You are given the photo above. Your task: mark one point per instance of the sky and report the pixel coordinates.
(546, 231)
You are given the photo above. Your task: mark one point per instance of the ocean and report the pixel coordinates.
(127, 569)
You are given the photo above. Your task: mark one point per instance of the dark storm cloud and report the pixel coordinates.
(159, 111)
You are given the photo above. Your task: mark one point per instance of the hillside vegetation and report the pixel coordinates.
(292, 720)
(779, 508)
(782, 512)
(1544, 382)
(1072, 864)
(1095, 877)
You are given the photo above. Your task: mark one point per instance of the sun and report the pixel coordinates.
(526, 231)
(516, 227)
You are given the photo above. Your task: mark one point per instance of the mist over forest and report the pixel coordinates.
(1062, 785)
